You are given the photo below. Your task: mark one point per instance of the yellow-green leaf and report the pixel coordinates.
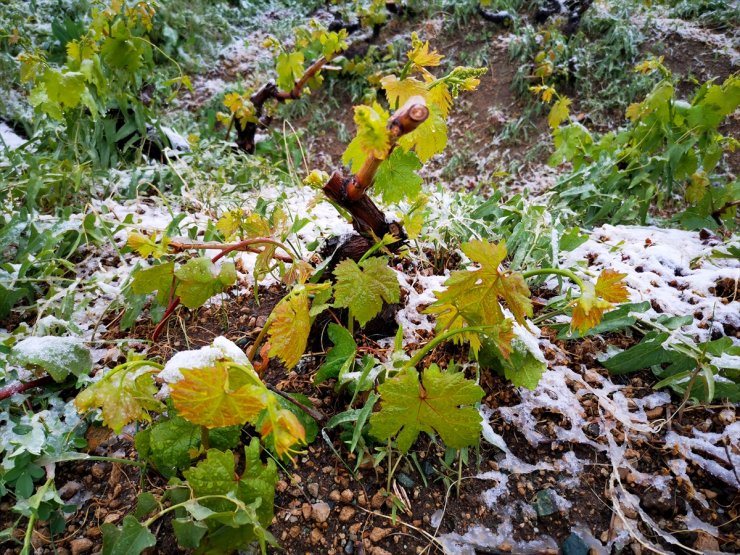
(441, 404)
(290, 327)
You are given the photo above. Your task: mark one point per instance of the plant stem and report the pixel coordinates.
(29, 534)
(421, 353)
(459, 472)
(313, 413)
(556, 271)
(205, 441)
(260, 338)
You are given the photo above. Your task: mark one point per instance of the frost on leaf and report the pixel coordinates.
(58, 356)
(442, 405)
(218, 396)
(363, 288)
(122, 397)
(200, 279)
(290, 327)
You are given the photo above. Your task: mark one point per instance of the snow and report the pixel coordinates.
(205, 357)
(673, 269)
(9, 139)
(59, 349)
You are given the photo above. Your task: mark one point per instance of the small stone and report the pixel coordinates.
(69, 489)
(574, 545)
(294, 531)
(306, 510)
(111, 518)
(705, 542)
(377, 500)
(346, 514)
(316, 536)
(313, 490)
(320, 511)
(281, 486)
(362, 499)
(405, 480)
(379, 551)
(335, 496)
(349, 547)
(347, 496)
(544, 503)
(80, 545)
(378, 534)
(506, 547)
(98, 470)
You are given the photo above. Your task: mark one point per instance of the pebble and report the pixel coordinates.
(335, 496)
(362, 499)
(80, 545)
(379, 551)
(377, 534)
(98, 470)
(281, 486)
(574, 545)
(306, 510)
(294, 531)
(706, 542)
(313, 489)
(347, 496)
(316, 536)
(377, 500)
(320, 511)
(346, 514)
(69, 489)
(349, 547)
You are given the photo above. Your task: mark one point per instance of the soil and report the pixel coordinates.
(361, 518)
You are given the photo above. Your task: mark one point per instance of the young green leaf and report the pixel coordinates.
(156, 278)
(289, 68)
(199, 279)
(170, 444)
(131, 539)
(429, 138)
(396, 177)
(340, 356)
(559, 112)
(441, 404)
(373, 139)
(363, 288)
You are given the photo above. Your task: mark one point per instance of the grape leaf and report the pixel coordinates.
(429, 138)
(218, 396)
(420, 54)
(131, 539)
(610, 287)
(474, 295)
(373, 139)
(441, 404)
(123, 397)
(199, 279)
(396, 177)
(170, 444)
(148, 246)
(363, 288)
(59, 356)
(258, 482)
(588, 309)
(290, 327)
(289, 67)
(156, 278)
(559, 112)
(399, 91)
